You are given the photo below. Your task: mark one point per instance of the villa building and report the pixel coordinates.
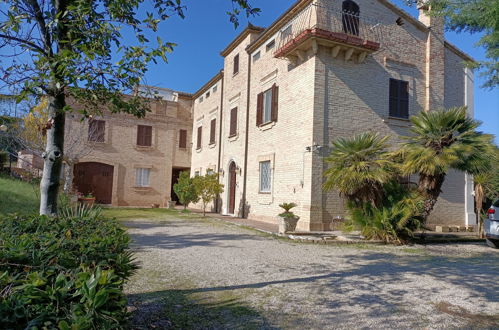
(324, 69)
(129, 161)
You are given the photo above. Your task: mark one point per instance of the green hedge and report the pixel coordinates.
(65, 273)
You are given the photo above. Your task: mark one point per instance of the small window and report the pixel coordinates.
(144, 136)
(142, 177)
(96, 130)
(399, 99)
(215, 88)
(270, 45)
(265, 176)
(199, 138)
(182, 141)
(236, 64)
(201, 99)
(208, 95)
(213, 128)
(197, 173)
(233, 122)
(256, 57)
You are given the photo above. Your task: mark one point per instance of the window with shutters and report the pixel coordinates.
(199, 138)
(182, 141)
(236, 64)
(399, 99)
(144, 136)
(213, 129)
(267, 106)
(265, 176)
(142, 177)
(233, 122)
(96, 130)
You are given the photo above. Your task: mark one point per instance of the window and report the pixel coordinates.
(236, 64)
(182, 141)
(265, 176)
(233, 123)
(197, 173)
(270, 45)
(213, 128)
(208, 95)
(142, 177)
(215, 88)
(399, 99)
(96, 130)
(201, 99)
(144, 136)
(199, 137)
(256, 57)
(350, 17)
(267, 106)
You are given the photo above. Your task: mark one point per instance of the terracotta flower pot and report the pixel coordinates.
(90, 201)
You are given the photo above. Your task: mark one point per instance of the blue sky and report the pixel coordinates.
(206, 30)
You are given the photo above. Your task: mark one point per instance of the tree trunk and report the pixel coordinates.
(68, 177)
(430, 187)
(49, 186)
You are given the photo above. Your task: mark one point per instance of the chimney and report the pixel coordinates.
(434, 58)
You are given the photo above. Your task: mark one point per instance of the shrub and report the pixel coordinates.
(65, 272)
(395, 221)
(186, 190)
(208, 188)
(287, 210)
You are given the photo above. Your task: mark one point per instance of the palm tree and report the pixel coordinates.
(358, 168)
(443, 140)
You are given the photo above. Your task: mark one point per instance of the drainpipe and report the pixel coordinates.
(218, 204)
(245, 177)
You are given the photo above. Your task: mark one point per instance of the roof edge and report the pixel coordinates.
(249, 29)
(210, 83)
(459, 52)
(281, 20)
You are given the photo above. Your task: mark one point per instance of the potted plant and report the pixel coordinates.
(287, 219)
(88, 199)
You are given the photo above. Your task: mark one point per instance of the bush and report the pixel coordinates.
(65, 272)
(395, 221)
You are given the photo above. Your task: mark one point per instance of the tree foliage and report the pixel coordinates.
(186, 190)
(358, 168)
(443, 140)
(208, 188)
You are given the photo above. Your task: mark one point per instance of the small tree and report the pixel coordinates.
(185, 189)
(208, 188)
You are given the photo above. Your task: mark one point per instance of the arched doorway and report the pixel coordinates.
(96, 179)
(232, 187)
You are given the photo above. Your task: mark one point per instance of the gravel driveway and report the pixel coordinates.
(206, 274)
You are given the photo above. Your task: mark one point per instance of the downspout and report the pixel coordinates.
(245, 177)
(218, 204)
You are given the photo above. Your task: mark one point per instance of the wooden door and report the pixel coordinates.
(232, 188)
(96, 179)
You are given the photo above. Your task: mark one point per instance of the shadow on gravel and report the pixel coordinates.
(182, 309)
(164, 240)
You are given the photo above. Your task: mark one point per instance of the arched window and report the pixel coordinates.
(350, 17)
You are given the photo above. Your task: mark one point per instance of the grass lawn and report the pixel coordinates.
(131, 213)
(17, 196)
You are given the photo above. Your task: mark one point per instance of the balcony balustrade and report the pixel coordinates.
(344, 32)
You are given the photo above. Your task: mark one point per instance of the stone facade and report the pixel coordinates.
(119, 149)
(328, 88)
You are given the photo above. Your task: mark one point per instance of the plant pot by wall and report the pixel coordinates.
(287, 224)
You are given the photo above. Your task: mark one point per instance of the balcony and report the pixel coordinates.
(346, 34)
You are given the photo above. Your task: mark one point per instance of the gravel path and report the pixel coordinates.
(206, 274)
